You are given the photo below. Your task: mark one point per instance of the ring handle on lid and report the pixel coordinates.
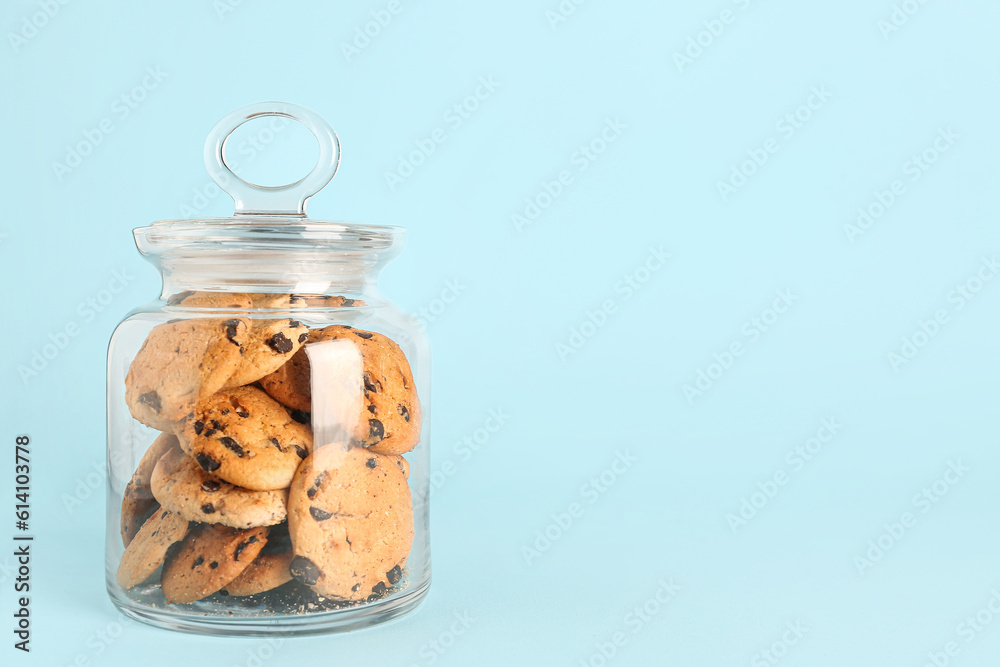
(287, 200)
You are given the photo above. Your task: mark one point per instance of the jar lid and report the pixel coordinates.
(271, 216)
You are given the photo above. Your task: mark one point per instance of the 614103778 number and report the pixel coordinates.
(22, 472)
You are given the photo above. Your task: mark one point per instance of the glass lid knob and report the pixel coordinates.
(281, 200)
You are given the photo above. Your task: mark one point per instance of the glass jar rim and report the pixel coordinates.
(264, 232)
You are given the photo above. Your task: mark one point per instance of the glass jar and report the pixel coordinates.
(268, 419)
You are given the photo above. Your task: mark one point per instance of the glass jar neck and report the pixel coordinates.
(248, 270)
(269, 254)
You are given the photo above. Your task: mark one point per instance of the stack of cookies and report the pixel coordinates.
(235, 496)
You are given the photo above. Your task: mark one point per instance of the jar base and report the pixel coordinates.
(341, 620)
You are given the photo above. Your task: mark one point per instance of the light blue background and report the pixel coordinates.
(686, 128)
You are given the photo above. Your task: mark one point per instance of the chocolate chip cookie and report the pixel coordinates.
(148, 549)
(181, 486)
(138, 502)
(210, 300)
(248, 439)
(270, 344)
(289, 384)
(208, 559)
(403, 464)
(323, 301)
(350, 517)
(180, 363)
(390, 419)
(269, 570)
(287, 301)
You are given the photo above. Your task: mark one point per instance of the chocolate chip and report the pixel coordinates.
(403, 410)
(198, 561)
(232, 446)
(208, 508)
(378, 591)
(344, 326)
(244, 545)
(301, 451)
(355, 587)
(211, 485)
(279, 343)
(371, 463)
(371, 384)
(394, 575)
(231, 327)
(207, 463)
(210, 432)
(217, 426)
(177, 298)
(199, 426)
(242, 414)
(304, 571)
(152, 399)
(375, 430)
(274, 441)
(214, 564)
(319, 514)
(225, 411)
(295, 324)
(316, 484)
(303, 337)
(348, 303)
(372, 409)
(301, 417)
(364, 334)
